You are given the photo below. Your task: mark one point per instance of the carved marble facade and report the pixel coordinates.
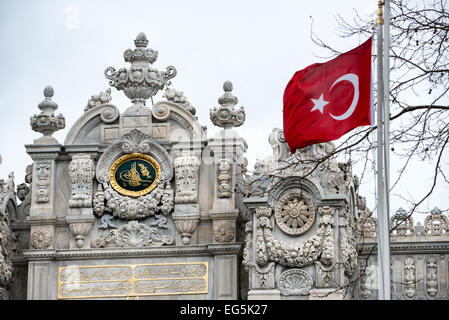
(141, 191)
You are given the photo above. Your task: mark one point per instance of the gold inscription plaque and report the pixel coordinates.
(132, 281)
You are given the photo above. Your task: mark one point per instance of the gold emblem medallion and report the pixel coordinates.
(134, 174)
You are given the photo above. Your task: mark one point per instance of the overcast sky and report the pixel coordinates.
(258, 45)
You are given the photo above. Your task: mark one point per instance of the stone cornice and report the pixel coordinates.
(46, 220)
(43, 151)
(117, 253)
(410, 247)
(223, 214)
(255, 202)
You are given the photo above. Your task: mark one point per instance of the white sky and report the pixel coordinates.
(258, 45)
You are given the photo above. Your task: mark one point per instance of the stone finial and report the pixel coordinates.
(140, 81)
(141, 40)
(225, 116)
(46, 122)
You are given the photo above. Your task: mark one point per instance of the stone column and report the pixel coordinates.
(44, 151)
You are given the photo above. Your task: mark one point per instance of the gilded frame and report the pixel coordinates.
(128, 157)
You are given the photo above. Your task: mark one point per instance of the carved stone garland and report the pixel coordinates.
(297, 255)
(158, 203)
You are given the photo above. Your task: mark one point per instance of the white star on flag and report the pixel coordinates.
(318, 104)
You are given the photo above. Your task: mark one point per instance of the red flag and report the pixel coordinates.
(326, 100)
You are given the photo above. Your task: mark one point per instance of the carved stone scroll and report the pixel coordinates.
(410, 277)
(81, 174)
(186, 173)
(224, 187)
(436, 224)
(42, 181)
(431, 277)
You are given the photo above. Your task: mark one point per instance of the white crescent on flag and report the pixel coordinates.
(354, 79)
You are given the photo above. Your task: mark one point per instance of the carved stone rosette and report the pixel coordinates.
(133, 235)
(41, 238)
(186, 174)
(81, 174)
(224, 232)
(295, 213)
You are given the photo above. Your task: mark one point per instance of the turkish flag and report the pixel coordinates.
(326, 100)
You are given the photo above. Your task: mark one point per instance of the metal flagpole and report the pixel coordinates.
(383, 229)
(386, 71)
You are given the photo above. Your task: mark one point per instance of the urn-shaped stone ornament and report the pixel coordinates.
(46, 122)
(140, 81)
(225, 116)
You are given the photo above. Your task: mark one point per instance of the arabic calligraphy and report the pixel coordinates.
(134, 174)
(132, 280)
(133, 177)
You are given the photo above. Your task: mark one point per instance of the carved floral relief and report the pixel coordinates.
(223, 232)
(41, 238)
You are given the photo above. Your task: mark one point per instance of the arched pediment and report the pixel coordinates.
(91, 119)
(169, 111)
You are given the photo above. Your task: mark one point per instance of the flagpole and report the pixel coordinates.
(383, 234)
(387, 130)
